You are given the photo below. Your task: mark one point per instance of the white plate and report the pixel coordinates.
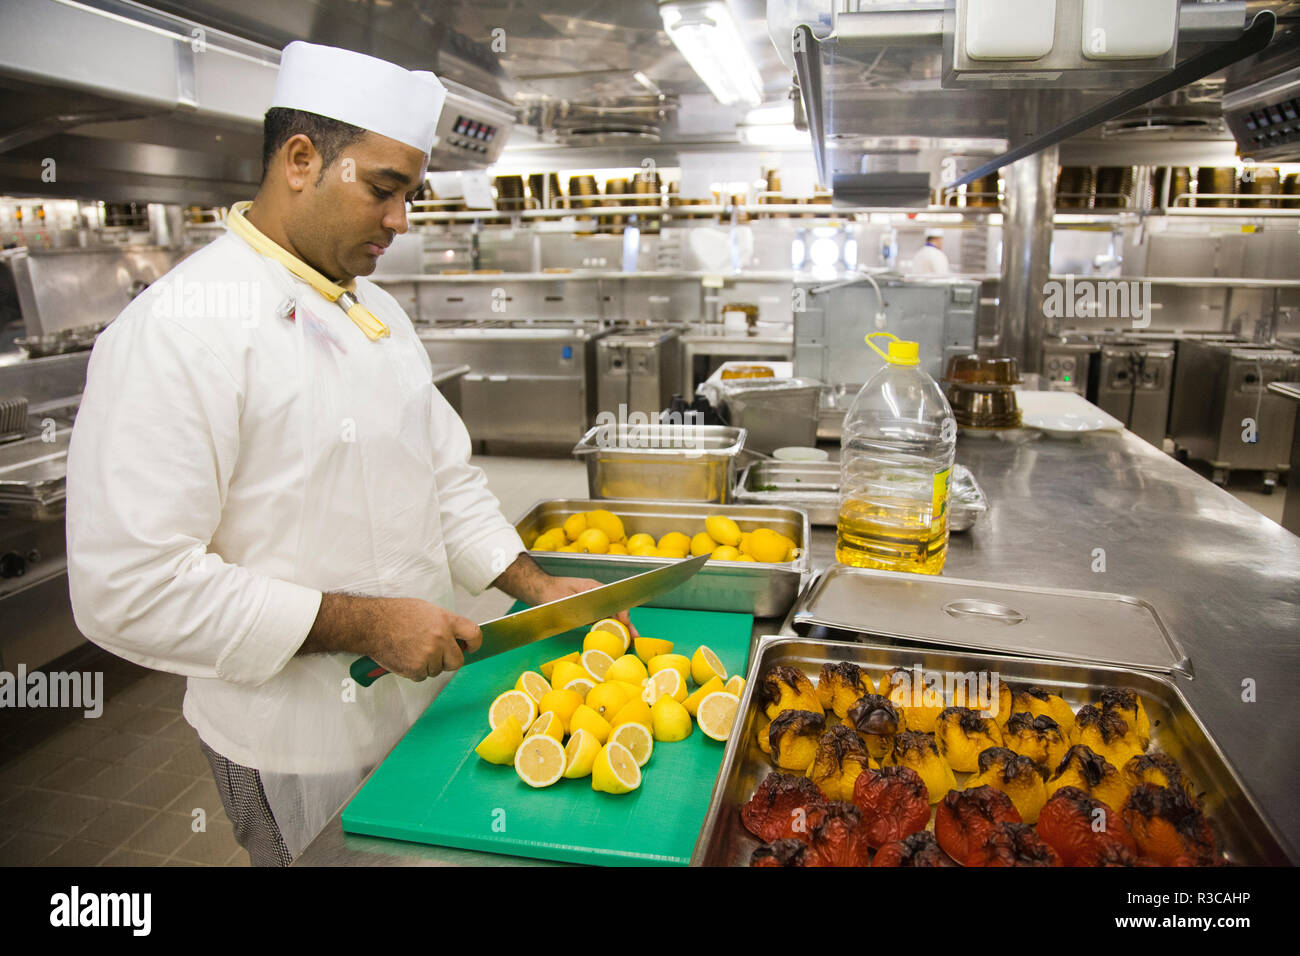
(1063, 414)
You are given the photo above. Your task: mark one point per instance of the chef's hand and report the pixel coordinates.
(405, 635)
(565, 587)
(524, 579)
(417, 639)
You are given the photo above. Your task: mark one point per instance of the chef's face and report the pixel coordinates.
(343, 220)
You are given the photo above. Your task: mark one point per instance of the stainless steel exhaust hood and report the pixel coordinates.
(114, 100)
(895, 69)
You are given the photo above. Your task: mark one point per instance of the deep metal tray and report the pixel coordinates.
(814, 486)
(1244, 833)
(764, 590)
(661, 462)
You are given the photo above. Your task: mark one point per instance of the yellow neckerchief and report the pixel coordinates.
(344, 295)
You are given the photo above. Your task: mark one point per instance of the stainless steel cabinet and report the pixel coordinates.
(530, 388)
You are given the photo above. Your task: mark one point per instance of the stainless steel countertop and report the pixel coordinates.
(1225, 580)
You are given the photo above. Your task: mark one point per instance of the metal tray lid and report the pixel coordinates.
(1090, 626)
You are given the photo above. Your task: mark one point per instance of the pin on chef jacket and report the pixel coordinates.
(260, 442)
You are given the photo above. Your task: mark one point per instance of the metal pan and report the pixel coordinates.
(814, 486)
(764, 590)
(1243, 831)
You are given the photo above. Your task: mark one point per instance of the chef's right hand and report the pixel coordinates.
(417, 639)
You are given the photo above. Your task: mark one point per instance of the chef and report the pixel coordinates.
(263, 482)
(930, 258)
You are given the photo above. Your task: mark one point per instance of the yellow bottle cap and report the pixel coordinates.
(901, 351)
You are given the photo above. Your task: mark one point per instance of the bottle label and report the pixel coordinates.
(939, 496)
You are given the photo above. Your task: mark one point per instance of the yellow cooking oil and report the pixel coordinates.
(900, 536)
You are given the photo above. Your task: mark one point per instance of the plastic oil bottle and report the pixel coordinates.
(896, 458)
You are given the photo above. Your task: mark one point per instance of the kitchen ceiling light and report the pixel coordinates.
(706, 34)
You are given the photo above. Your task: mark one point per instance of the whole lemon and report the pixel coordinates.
(675, 541)
(641, 540)
(702, 544)
(574, 525)
(593, 541)
(766, 545)
(722, 529)
(607, 522)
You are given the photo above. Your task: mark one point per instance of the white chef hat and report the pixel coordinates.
(933, 233)
(365, 91)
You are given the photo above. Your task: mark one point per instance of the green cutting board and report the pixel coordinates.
(434, 789)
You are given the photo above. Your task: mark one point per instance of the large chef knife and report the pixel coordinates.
(556, 617)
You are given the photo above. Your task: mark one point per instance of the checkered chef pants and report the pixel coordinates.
(245, 803)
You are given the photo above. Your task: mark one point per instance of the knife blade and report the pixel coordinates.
(555, 617)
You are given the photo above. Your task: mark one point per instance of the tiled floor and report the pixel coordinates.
(118, 790)
(122, 789)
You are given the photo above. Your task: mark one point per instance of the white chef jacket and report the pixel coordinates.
(930, 260)
(233, 459)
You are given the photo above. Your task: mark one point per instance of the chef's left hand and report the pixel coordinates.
(565, 587)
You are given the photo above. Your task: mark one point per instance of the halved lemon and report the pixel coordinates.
(638, 740)
(566, 671)
(513, 703)
(548, 668)
(539, 761)
(533, 684)
(692, 702)
(562, 703)
(500, 745)
(579, 754)
(581, 686)
(650, 647)
(705, 665)
(548, 723)
(717, 714)
(596, 663)
(614, 626)
(735, 685)
(615, 770)
(627, 668)
(603, 640)
(666, 683)
(678, 662)
(586, 718)
(633, 712)
(608, 698)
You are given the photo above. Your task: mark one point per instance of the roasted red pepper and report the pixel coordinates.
(894, 803)
(1081, 828)
(915, 849)
(1014, 844)
(840, 839)
(783, 806)
(964, 820)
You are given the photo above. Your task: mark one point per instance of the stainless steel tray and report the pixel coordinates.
(764, 590)
(1090, 626)
(661, 462)
(814, 486)
(1243, 831)
(33, 477)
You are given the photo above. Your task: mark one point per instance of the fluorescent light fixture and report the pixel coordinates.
(706, 34)
(773, 126)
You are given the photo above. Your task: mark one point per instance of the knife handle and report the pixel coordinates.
(365, 670)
